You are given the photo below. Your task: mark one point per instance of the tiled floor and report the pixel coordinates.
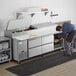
(65, 69)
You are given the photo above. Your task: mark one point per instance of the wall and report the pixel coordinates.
(65, 9)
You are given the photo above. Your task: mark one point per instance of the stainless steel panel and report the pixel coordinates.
(34, 42)
(34, 51)
(48, 48)
(47, 39)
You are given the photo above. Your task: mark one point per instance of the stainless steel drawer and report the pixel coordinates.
(47, 39)
(47, 48)
(34, 51)
(34, 42)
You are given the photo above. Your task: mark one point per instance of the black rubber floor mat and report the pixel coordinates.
(40, 64)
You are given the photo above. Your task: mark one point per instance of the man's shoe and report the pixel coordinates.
(68, 54)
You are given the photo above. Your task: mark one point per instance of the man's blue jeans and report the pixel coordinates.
(68, 46)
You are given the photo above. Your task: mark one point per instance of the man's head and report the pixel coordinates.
(59, 28)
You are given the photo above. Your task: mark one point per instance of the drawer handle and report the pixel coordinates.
(22, 51)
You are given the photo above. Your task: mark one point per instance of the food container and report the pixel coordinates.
(6, 57)
(5, 45)
(0, 46)
(0, 57)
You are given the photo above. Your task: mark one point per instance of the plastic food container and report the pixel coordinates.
(0, 46)
(5, 45)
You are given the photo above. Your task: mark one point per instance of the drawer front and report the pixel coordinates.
(47, 48)
(34, 42)
(47, 39)
(34, 51)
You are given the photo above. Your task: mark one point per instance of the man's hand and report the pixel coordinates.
(58, 40)
(61, 39)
